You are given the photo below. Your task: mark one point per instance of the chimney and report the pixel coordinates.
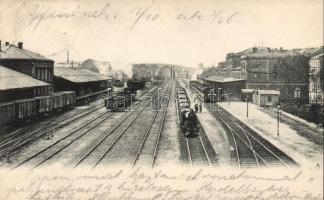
(280, 49)
(20, 45)
(254, 49)
(7, 43)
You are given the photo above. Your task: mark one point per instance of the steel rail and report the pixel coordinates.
(233, 131)
(70, 142)
(271, 152)
(207, 156)
(161, 128)
(109, 133)
(94, 147)
(188, 149)
(115, 141)
(61, 139)
(15, 144)
(42, 127)
(148, 130)
(249, 141)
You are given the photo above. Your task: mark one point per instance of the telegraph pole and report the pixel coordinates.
(247, 106)
(278, 118)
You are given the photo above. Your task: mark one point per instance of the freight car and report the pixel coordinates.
(187, 117)
(7, 113)
(44, 104)
(204, 92)
(26, 108)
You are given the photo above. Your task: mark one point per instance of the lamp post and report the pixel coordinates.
(247, 106)
(278, 118)
(228, 98)
(108, 91)
(212, 91)
(218, 98)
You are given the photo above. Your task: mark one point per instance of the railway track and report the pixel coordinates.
(199, 150)
(50, 151)
(110, 138)
(312, 134)
(251, 149)
(45, 154)
(147, 151)
(19, 139)
(26, 135)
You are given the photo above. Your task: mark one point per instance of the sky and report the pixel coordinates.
(184, 32)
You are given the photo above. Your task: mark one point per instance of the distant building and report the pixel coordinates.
(316, 77)
(144, 71)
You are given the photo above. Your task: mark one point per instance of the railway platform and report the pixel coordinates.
(302, 150)
(214, 131)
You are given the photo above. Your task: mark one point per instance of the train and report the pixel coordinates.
(205, 93)
(187, 117)
(23, 109)
(134, 85)
(119, 101)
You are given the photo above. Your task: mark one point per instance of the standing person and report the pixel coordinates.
(88, 100)
(196, 107)
(200, 107)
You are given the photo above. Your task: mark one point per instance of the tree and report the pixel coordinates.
(291, 69)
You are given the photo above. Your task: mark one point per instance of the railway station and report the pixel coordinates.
(180, 127)
(90, 115)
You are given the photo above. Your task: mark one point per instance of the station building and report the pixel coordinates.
(27, 62)
(86, 83)
(227, 88)
(316, 77)
(15, 85)
(263, 68)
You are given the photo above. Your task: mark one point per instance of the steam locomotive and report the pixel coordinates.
(123, 97)
(187, 117)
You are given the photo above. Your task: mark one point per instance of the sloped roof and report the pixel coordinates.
(11, 79)
(274, 92)
(222, 79)
(319, 52)
(11, 52)
(78, 75)
(247, 90)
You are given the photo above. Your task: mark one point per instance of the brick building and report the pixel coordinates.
(316, 77)
(264, 68)
(15, 85)
(84, 82)
(27, 62)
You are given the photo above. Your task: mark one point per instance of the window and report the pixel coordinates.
(269, 98)
(46, 70)
(297, 93)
